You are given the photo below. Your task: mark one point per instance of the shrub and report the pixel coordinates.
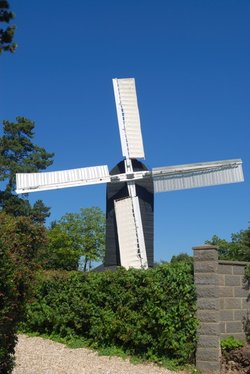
(230, 343)
(149, 313)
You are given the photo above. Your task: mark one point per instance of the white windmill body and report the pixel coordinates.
(130, 230)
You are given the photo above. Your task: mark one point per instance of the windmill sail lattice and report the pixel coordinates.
(129, 224)
(197, 175)
(128, 118)
(130, 192)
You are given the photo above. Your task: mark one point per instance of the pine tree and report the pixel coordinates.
(18, 154)
(7, 34)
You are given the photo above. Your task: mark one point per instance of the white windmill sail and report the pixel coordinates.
(130, 233)
(32, 182)
(197, 175)
(128, 118)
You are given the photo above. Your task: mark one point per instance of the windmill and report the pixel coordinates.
(131, 186)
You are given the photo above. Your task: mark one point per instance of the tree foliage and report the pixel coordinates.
(20, 241)
(6, 34)
(18, 154)
(236, 249)
(24, 240)
(8, 312)
(76, 235)
(182, 257)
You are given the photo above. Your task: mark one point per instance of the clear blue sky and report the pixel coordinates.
(191, 62)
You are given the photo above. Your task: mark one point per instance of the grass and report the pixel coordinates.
(73, 342)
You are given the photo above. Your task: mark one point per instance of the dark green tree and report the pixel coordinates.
(39, 212)
(182, 257)
(75, 236)
(236, 249)
(20, 243)
(224, 246)
(18, 154)
(7, 33)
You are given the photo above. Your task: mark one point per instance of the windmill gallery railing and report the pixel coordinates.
(222, 304)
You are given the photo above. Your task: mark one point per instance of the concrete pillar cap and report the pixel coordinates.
(205, 247)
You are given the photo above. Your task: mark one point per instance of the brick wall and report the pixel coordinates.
(222, 304)
(233, 294)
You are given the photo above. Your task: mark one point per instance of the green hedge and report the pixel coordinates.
(148, 313)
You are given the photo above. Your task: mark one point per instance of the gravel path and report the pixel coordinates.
(36, 355)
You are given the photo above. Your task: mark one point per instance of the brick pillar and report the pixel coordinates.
(208, 309)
